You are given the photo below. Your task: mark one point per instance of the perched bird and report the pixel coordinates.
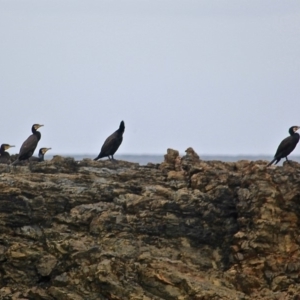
(287, 145)
(28, 147)
(112, 143)
(5, 156)
(41, 155)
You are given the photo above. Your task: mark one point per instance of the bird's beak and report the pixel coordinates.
(47, 150)
(39, 126)
(10, 146)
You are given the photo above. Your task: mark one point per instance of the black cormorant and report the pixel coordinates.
(112, 143)
(287, 145)
(5, 156)
(40, 156)
(28, 147)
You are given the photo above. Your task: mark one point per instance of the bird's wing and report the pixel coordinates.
(29, 145)
(286, 146)
(111, 144)
(108, 143)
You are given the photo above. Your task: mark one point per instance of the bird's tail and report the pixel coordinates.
(269, 164)
(15, 162)
(99, 156)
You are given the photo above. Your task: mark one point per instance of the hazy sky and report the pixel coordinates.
(220, 76)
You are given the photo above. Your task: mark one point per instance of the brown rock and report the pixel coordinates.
(188, 229)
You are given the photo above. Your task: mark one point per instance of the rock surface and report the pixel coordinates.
(184, 229)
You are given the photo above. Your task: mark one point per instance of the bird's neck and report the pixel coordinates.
(37, 134)
(121, 130)
(41, 156)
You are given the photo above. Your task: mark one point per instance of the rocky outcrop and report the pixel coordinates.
(184, 229)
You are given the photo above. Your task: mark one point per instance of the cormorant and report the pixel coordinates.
(287, 145)
(41, 155)
(4, 156)
(28, 147)
(112, 143)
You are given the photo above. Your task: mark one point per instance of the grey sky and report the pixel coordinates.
(220, 76)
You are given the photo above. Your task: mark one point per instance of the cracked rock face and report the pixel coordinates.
(184, 229)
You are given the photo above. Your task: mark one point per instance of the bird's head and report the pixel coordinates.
(122, 126)
(293, 129)
(44, 150)
(37, 126)
(6, 146)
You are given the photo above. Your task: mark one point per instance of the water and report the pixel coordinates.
(143, 159)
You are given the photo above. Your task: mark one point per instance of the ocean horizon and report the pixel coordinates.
(144, 159)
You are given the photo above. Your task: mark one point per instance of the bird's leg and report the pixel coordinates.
(109, 157)
(287, 160)
(114, 160)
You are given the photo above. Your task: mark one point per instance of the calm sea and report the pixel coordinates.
(146, 158)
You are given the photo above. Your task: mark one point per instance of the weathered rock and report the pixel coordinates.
(186, 229)
(171, 159)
